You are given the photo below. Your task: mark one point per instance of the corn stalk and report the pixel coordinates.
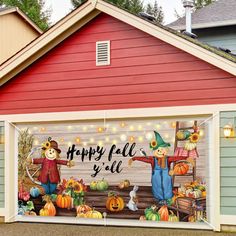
(25, 144)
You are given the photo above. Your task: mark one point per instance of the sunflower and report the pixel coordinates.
(194, 138)
(153, 143)
(70, 183)
(46, 145)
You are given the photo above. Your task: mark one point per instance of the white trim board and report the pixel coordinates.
(228, 220)
(110, 222)
(120, 113)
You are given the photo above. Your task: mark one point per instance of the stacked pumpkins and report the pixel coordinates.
(153, 214)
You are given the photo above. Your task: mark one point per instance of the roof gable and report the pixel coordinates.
(85, 13)
(8, 10)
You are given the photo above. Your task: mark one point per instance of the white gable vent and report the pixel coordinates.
(103, 53)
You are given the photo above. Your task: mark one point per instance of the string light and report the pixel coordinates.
(140, 138)
(149, 123)
(85, 144)
(100, 129)
(114, 129)
(100, 143)
(122, 124)
(131, 128)
(166, 136)
(69, 144)
(91, 140)
(62, 140)
(107, 139)
(140, 127)
(85, 128)
(69, 127)
(131, 138)
(201, 132)
(35, 128)
(173, 124)
(149, 136)
(158, 126)
(123, 137)
(36, 142)
(114, 142)
(77, 140)
(42, 129)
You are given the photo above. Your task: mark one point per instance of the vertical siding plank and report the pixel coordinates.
(228, 167)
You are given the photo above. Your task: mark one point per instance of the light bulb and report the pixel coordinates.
(140, 127)
(131, 138)
(122, 124)
(140, 138)
(149, 136)
(100, 129)
(77, 140)
(201, 132)
(131, 128)
(123, 137)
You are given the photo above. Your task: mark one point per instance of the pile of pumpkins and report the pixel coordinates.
(193, 190)
(162, 214)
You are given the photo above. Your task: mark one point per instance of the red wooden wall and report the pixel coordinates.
(144, 72)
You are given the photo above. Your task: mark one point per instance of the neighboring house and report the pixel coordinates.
(16, 31)
(214, 24)
(105, 78)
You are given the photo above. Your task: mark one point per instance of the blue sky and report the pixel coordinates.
(62, 7)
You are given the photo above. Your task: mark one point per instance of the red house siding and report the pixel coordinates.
(144, 72)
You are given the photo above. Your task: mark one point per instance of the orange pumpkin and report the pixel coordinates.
(83, 209)
(164, 213)
(114, 203)
(181, 168)
(63, 201)
(191, 218)
(49, 205)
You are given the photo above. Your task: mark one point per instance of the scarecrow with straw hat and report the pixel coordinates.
(160, 162)
(49, 175)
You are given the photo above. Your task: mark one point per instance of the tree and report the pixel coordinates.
(34, 9)
(202, 3)
(135, 7)
(156, 11)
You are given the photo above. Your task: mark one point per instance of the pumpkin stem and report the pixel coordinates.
(171, 212)
(111, 194)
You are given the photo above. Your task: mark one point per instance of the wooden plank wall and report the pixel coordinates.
(228, 166)
(139, 173)
(144, 72)
(1, 164)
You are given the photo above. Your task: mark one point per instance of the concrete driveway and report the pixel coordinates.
(35, 229)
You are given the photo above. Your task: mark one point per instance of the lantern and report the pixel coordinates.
(228, 131)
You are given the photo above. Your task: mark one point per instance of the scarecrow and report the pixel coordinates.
(161, 176)
(49, 175)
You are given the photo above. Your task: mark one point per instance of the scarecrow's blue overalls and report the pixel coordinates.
(161, 182)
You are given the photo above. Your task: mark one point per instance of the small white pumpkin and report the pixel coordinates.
(194, 193)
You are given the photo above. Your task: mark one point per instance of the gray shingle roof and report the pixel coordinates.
(6, 8)
(221, 12)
